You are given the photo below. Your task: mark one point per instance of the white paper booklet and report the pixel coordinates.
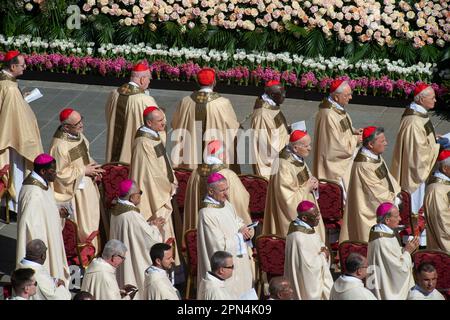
(300, 125)
(34, 95)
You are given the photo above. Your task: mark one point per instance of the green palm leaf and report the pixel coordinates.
(221, 39)
(313, 44)
(429, 53)
(404, 50)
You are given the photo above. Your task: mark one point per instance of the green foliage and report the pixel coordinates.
(404, 50)
(221, 39)
(313, 45)
(429, 54)
(172, 34)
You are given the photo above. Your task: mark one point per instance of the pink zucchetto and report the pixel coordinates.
(384, 208)
(214, 177)
(305, 206)
(43, 159)
(124, 187)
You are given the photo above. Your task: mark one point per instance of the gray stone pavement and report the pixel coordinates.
(90, 101)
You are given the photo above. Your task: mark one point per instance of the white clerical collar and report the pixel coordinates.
(417, 107)
(30, 263)
(206, 89)
(212, 200)
(439, 174)
(269, 100)
(149, 130)
(213, 160)
(134, 84)
(381, 227)
(302, 223)
(125, 202)
(348, 278)
(211, 276)
(369, 153)
(334, 103)
(18, 298)
(419, 288)
(155, 269)
(39, 178)
(296, 157)
(7, 73)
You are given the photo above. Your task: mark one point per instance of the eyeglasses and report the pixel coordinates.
(123, 258)
(139, 193)
(23, 65)
(77, 124)
(229, 267)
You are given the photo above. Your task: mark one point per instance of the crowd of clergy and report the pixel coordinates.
(138, 256)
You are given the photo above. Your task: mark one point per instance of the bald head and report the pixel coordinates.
(36, 251)
(156, 120)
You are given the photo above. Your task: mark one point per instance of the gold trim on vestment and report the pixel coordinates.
(325, 104)
(204, 170)
(140, 133)
(204, 97)
(4, 76)
(429, 128)
(286, 154)
(294, 228)
(206, 204)
(261, 103)
(280, 120)
(34, 182)
(374, 235)
(129, 90)
(120, 208)
(382, 173)
(80, 151)
(360, 157)
(434, 179)
(345, 124)
(61, 134)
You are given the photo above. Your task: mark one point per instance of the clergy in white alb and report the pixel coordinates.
(425, 288)
(39, 217)
(307, 259)
(19, 144)
(391, 276)
(158, 285)
(350, 286)
(48, 288)
(221, 229)
(290, 184)
(77, 173)
(130, 227)
(100, 276)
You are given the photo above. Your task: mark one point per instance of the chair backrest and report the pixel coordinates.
(70, 238)
(115, 172)
(441, 261)
(270, 251)
(331, 201)
(405, 212)
(347, 247)
(257, 187)
(190, 238)
(182, 176)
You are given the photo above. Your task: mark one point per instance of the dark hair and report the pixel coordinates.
(157, 251)
(20, 278)
(425, 267)
(218, 259)
(9, 64)
(372, 136)
(38, 167)
(83, 295)
(353, 262)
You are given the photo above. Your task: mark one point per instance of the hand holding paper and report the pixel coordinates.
(34, 95)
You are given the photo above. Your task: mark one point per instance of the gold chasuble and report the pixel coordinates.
(71, 185)
(198, 119)
(287, 188)
(270, 135)
(392, 277)
(218, 229)
(151, 170)
(305, 266)
(371, 184)
(415, 150)
(196, 192)
(124, 115)
(437, 213)
(38, 218)
(334, 144)
(129, 226)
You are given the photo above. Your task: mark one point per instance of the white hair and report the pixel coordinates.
(445, 162)
(132, 190)
(214, 184)
(424, 93)
(341, 88)
(114, 247)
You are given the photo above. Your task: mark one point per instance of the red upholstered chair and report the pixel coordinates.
(7, 290)
(441, 261)
(182, 176)
(80, 254)
(257, 187)
(190, 238)
(331, 204)
(4, 183)
(270, 251)
(347, 247)
(115, 172)
(410, 221)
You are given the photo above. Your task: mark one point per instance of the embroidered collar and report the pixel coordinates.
(8, 73)
(296, 157)
(369, 153)
(418, 108)
(125, 202)
(206, 89)
(302, 223)
(381, 227)
(134, 84)
(212, 200)
(39, 178)
(335, 104)
(150, 131)
(269, 100)
(440, 175)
